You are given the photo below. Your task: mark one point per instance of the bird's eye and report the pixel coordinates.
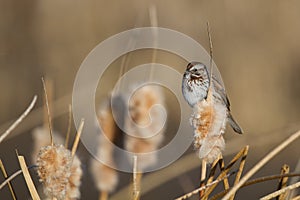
(194, 70)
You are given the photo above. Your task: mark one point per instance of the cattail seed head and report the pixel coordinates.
(106, 178)
(209, 122)
(54, 169)
(146, 126)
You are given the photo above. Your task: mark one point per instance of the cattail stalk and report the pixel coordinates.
(136, 186)
(48, 112)
(58, 168)
(5, 176)
(75, 144)
(285, 169)
(69, 127)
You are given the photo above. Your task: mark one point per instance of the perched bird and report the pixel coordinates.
(195, 87)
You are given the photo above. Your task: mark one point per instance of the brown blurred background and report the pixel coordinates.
(256, 48)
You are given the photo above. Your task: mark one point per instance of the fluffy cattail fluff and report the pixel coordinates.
(41, 138)
(105, 177)
(209, 122)
(54, 170)
(74, 181)
(145, 121)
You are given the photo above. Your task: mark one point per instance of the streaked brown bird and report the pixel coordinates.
(195, 86)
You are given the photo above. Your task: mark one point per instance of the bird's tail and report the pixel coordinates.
(235, 126)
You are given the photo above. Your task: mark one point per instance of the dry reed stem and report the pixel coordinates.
(217, 162)
(241, 168)
(210, 51)
(5, 176)
(262, 163)
(294, 179)
(221, 163)
(213, 170)
(125, 60)
(296, 198)
(136, 182)
(28, 180)
(269, 178)
(48, 112)
(10, 178)
(203, 176)
(75, 144)
(69, 127)
(35, 117)
(225, 171)
(225, 180)
(279, 192)
(196, 191)
(50, 91)
(255, 181)
(19, 120)
(188, 162)
(155, 179)
(285, 169)
(220, 178)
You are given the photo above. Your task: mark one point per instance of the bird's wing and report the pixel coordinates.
(221, 91)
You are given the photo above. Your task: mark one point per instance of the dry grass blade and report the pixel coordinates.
(69, 127)
(75, 144)
(18, 121)
(285, 169)
(262, 163)
(5, 176)
(279, 192)
(196, 191)
(48, 111)
(28, 179)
